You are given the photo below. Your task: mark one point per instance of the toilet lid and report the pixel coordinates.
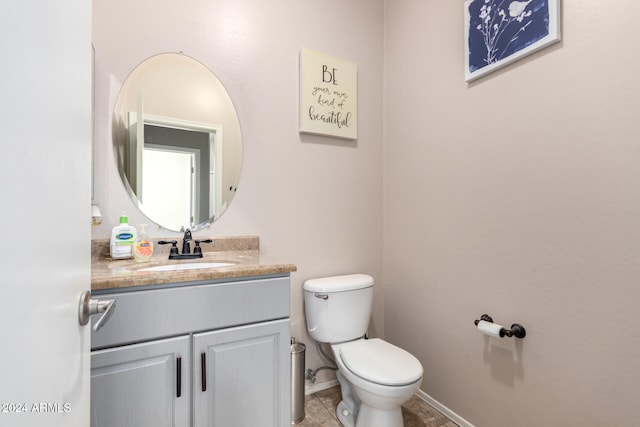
(378, 361)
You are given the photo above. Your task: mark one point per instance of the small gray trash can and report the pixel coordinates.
(297, 381)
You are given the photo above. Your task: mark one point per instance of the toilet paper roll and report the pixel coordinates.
(491, 329)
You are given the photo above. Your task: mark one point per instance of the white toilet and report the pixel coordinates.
(376, 377)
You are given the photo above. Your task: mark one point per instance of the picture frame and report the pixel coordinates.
(500, 32)
(328, 95)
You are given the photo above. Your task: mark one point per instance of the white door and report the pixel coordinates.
(45, 196)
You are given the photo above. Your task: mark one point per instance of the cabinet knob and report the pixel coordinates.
(90, 306)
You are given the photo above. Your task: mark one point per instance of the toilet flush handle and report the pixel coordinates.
(322, 296)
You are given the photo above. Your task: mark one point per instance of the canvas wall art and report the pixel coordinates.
(499, 32)
(328, 95)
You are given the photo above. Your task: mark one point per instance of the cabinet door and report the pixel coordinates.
(142, 385)
(242, 376)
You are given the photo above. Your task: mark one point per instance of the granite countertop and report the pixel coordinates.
(243, 253)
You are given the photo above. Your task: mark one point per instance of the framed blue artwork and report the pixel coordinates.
(499, 32)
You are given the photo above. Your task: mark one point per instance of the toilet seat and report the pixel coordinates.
(379, 362)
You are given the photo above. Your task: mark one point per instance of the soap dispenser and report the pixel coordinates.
(143, 246)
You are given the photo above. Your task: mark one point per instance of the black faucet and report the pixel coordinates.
(186, 247)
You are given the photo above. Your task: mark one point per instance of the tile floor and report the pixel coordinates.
(320, 410)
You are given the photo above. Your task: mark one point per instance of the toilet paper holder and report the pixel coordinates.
(516, 330)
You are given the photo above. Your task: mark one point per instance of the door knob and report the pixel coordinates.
(90, 306)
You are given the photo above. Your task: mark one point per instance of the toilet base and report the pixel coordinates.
(370, 417)
(345, 416)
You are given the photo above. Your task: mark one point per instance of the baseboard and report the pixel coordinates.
(444, 410)
(314, 388)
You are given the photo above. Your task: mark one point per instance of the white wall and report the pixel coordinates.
(519, 196)
(314, 201)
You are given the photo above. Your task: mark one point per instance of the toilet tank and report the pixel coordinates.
(338, 308)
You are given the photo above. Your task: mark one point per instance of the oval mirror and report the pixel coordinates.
(177, 142)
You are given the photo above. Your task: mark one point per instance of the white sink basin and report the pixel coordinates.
(187, 266)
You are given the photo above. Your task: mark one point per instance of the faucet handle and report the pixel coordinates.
(173, 243)
(197, 249)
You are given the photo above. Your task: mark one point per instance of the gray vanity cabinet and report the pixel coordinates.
(137, 385)
(204, 354)
(241, 376)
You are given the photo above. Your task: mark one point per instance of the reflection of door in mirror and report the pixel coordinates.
(165, 138)
(168, 185)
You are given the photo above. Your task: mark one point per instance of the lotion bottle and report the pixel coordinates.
(142, 246)
(122, 238)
